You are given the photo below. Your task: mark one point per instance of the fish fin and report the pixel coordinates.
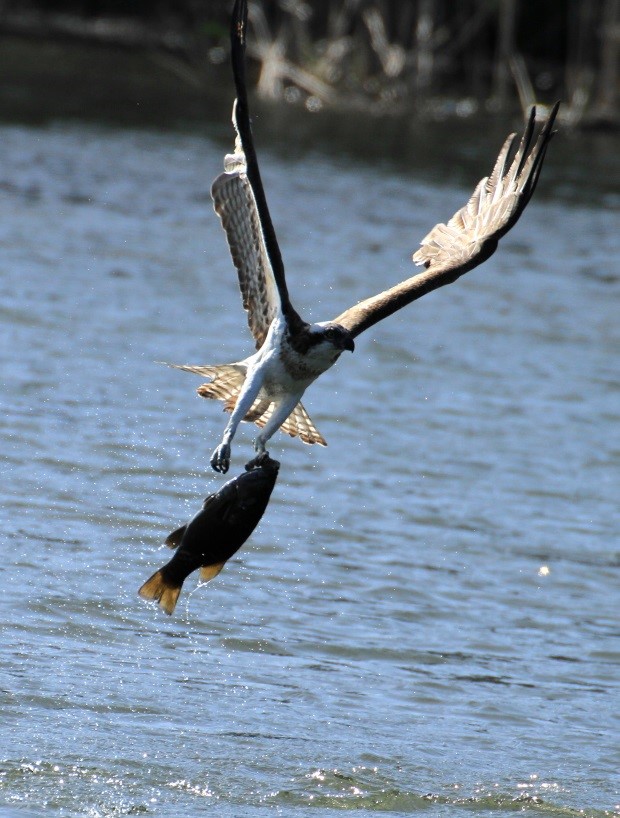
(207, 572)
(174, 540)
(159, 589)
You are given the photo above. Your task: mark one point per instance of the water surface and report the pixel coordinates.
(426, 619)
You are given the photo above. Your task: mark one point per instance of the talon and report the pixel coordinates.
(258, 461)
(220, 459)
(263, 461)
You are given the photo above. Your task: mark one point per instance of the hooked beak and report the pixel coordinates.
(349, 344)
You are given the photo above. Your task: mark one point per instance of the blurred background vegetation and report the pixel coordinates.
(436, 57)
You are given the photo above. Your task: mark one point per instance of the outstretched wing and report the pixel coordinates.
(239, 200)
(235, 204)
(472, 234)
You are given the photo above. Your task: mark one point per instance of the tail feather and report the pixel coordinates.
(256, 411)
(299, 424)
(161, 590)
(226, 380)
(225, 384)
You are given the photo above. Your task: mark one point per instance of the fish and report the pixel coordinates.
(215, 533)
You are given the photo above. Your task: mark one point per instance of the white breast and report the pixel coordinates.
(284, 371)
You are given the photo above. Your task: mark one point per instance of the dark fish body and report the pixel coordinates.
(215, 533)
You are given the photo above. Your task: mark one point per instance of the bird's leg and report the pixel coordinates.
(280, 414)
(220, 459)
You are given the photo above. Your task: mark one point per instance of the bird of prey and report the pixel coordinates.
(267, 387)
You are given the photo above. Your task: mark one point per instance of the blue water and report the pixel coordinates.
(426, 619)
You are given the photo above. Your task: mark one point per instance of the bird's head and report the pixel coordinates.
(331, 339)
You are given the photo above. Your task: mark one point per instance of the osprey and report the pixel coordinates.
(267, 387)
